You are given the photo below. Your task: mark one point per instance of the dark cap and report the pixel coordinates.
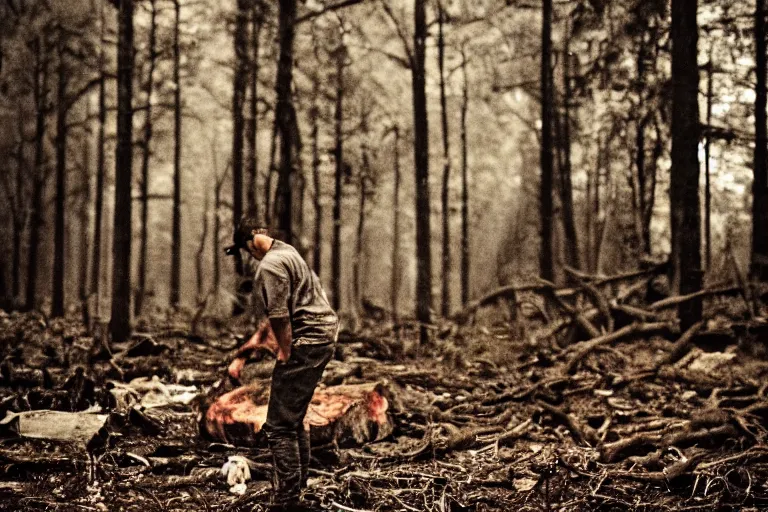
(246, 228)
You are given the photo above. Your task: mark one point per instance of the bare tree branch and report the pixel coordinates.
(400, 33)
(327, 9)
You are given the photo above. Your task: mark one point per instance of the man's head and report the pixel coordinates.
(251, 235)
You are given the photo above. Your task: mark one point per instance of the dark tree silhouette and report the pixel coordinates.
(366, 183)
(120, 323)
(338, 155)
(464, 183)
(445, 298)
(421, 164)
(176, 228)
(85, 201)
(62, 76)
(17, 211)
(285, 117)
(314, 115)
(145, 156)
(546, 269)
(38, 178)
(759, 265)
(395, 282)
(239, 87)
(707, 150)
(566, 186)
(100, 171)
(252, 126)
(684, 186)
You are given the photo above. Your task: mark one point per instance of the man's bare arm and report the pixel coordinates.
(263, 338)
(282, 328)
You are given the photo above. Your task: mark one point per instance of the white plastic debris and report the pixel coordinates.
(711, 362)
(151, 393)
(237, 471)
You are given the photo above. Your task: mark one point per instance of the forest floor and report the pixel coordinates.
(483, 421)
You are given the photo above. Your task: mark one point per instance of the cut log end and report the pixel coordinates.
(346, 414)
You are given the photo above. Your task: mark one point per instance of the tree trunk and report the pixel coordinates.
(445, 302)
(338, 155)
(421, 163)
(297, 182)
(588, 217)
(238, 101)
(200, 256)
(759, 266)
(364, 177)
(85, 220)
(216, 238)
(652, 177)
(176, 228)
(19, 216)
(270, 174)
(217, 220)
(464, 186)
(684, 185)
(252, 127)
(546, 269)
(57, 306)
(707, 147)
(395, 283)
(356, 277)
(595, 224)
(317, 251)
(566, 186)
(100, 162)
(640, 126)
(285, 116)
(120, 324)
(300, 184)
(146, 147)
(38, 181)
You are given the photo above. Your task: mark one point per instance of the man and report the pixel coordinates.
(301, 327)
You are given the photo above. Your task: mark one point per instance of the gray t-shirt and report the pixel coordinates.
(285, 287)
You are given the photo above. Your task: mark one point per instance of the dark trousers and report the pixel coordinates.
(293, 384)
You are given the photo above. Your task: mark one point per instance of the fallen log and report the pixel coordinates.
(636, 312)
(556, 327)
(507, 438)
(679, 299)
(462, 439)
(585, 347)
(343, 414)
(599, 299)
(681, 347)
(577, 315)
(679, 468)
(464, 315)
(621, 449)
(582, 434)
(14, 465)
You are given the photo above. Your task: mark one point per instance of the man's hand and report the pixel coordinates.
(281, 327)
(284, 355)
(235, 367)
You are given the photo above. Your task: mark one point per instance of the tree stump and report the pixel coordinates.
(346, 414)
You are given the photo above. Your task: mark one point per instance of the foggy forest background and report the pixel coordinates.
(421, 155)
